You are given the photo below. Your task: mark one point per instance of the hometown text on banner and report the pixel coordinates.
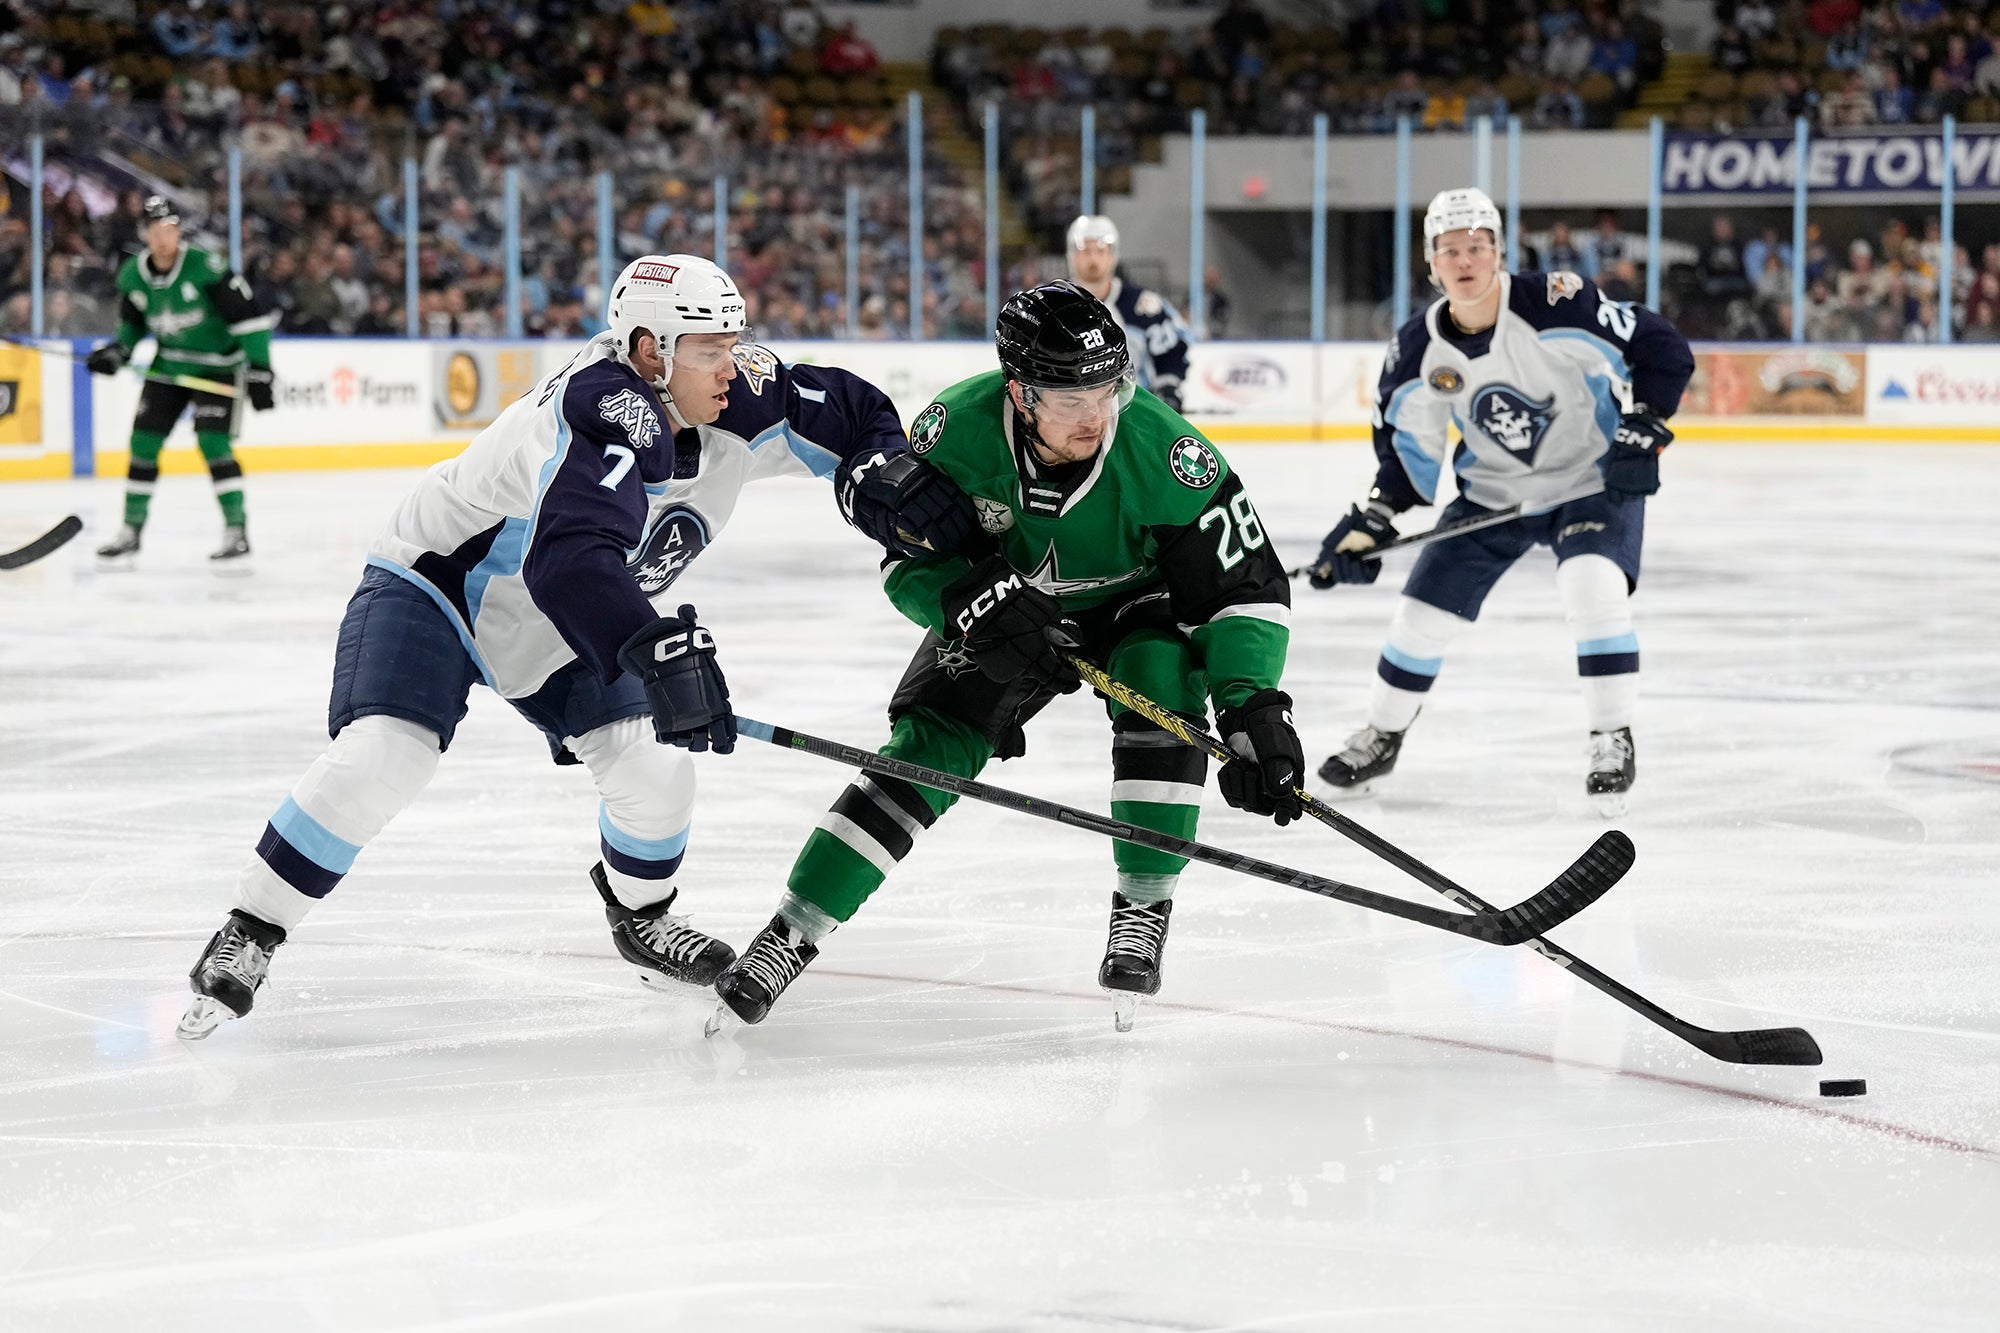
(1847, 164)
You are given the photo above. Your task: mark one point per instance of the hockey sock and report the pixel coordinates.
(225, 473)
(1410, 662)
(1597, 605)
(646, 793)
(374, 768)
(875, 822)
(142, 474)
(1156, 782)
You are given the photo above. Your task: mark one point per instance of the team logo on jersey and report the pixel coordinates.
(633, 415)
(188, 293)
(994, 516)
(1512, 420)
(953, 660)
(758, 365)
(928, 428)
(140, 299)
(1193, 462)
(1562, 286)
(675, 538)
(1148, 304)
(1446, 380)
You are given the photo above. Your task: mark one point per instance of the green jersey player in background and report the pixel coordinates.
(208, 328)
(1110, 521)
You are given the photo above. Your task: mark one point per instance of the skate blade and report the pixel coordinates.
(722, 1022)
(1125, 1010)
(1610, 804)
(203, 1016)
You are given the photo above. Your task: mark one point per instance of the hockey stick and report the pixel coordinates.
(42, 545)
(1569, 893)
(1492, 520)
(220, 388)
(1758, 1046)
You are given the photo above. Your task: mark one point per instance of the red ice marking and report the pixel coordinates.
(1882, 1127)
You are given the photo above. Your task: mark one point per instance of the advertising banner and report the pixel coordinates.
(1784, 381)
(1850, 165)
(1934, 386)
(910, 373)
(474, 382)
(20, 395)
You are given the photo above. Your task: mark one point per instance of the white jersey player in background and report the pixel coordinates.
(539, 563)
(1153, 328)
(1556, 393)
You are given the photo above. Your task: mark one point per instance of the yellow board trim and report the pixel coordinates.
(47, 467)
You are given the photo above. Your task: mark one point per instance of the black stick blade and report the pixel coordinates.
(1762, 1046)
(42, 545)
(1589, 879)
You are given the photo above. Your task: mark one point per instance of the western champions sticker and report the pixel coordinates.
(928, 428)
(1193, 462)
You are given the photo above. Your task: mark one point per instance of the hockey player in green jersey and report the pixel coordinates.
(208, 328)
(1113, 526)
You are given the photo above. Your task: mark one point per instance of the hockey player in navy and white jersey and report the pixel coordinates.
(540, 562)
(1556, 393)
(1153, 328)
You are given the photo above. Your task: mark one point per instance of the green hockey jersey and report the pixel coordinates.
(1157, 506)
(202, 314)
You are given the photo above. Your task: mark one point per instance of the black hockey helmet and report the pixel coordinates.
(159, 208)
(1059, 336)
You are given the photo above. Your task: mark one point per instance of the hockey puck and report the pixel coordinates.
(1843, 1087)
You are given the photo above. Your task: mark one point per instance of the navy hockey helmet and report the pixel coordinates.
(1059, 336)
(158, 208)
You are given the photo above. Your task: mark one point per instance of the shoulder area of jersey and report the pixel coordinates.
(1547, 289)
(1190, 460)
(611, 392)
(956, 406)
(757, 398)
(1146, 303)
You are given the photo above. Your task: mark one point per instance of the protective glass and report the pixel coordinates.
(710, 353)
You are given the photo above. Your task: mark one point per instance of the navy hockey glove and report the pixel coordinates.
(1632, 464)
(903, 502)
(258, 383)
(107, 360)
(1264, 779)
(1339, 555)
(1006, 623)
(674, 658)
(1170, 395)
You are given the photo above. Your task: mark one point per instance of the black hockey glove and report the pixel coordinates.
(1273, 762)
(1006, 623)
(107, 360)
(258, 383)
(1339, 555)
(904, 503)
(1170, 395)
(674, 658)
(1632, 465)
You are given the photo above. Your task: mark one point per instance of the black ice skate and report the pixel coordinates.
(233, 556)
(122, 552)
(1131, 966)
(1368, 754)
(664, 947)
(752, 984)
(1614, 764)
(229, 972)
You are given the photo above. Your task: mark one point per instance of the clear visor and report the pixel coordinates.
(704, 352)
(1073, 407)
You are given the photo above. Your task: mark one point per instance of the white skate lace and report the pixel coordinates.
(670, 935)
(241, 958)
(1364, 747)
(1137, 929)
(1608, 751)
(773, 963)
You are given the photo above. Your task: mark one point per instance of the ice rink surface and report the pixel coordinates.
(453, 1108)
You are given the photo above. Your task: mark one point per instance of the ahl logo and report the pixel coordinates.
(1244, 379)
(677, 538)
(1512, 420)
(1563, 285)
(758, 365)
(928, 428)
(1193, 462)
(1446, 380)
(633, 415)
(994, 516)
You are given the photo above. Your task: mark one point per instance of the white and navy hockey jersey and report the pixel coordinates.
(560, 530)
(1536, 398)
(1157, 336)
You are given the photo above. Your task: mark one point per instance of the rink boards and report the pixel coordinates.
(366, 402)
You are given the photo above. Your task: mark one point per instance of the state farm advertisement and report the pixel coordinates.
(1934, 386)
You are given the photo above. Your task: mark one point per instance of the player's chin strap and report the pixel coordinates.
(1762, 1046)
(1574, 890)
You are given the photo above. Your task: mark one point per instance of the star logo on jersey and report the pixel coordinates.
(928, 428)
(953, 660)
(633, 415)
(1193, 462)
(994, 515)
(1048, 577)
(757, 365)
(1512, 420)
(675, 539)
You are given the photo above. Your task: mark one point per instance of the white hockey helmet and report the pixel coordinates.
(1467, 209)
(1093, 227)
(669, 295)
